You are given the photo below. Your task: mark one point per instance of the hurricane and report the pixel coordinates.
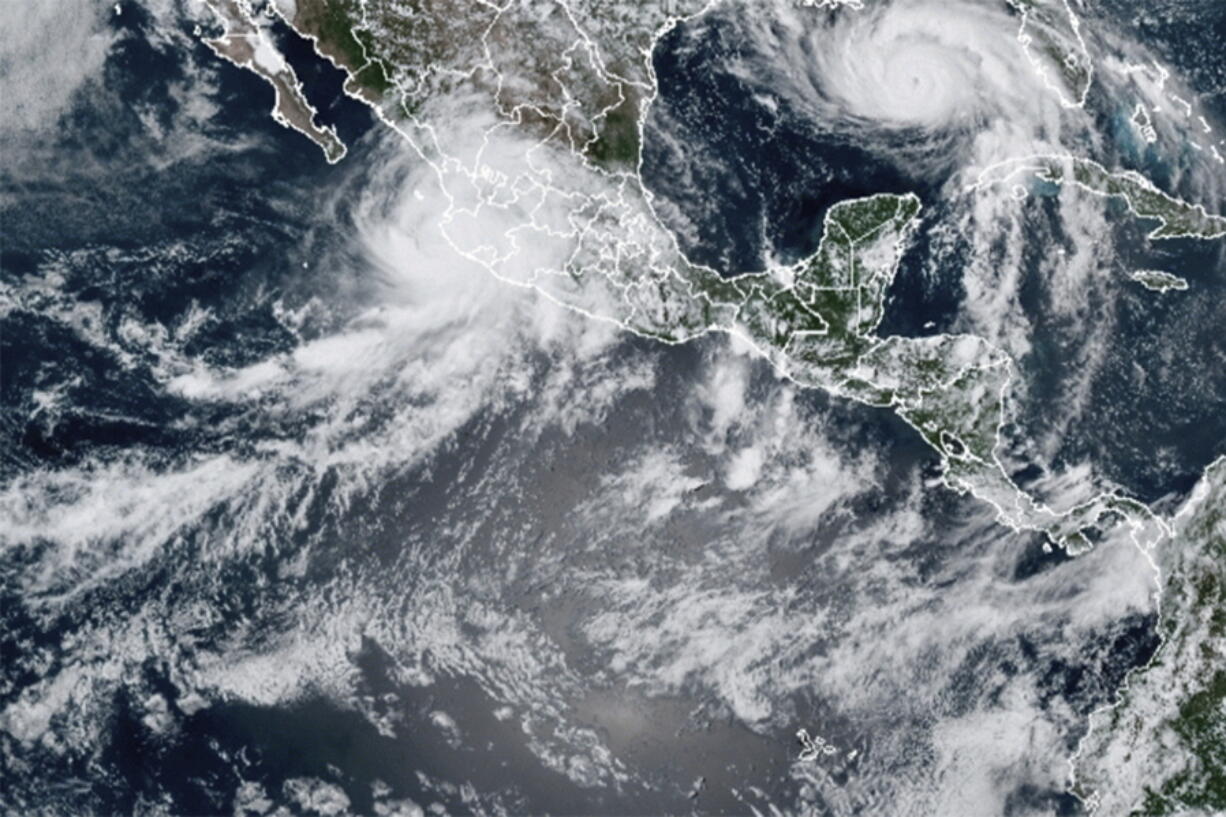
(910, 65)
(401, 479)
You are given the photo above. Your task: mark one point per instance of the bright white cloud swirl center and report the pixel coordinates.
(914, 65)
(894, 73)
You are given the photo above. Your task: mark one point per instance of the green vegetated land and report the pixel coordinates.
(1196, 634)
(335, 25)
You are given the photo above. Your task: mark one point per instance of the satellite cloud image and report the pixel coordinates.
(625, 408)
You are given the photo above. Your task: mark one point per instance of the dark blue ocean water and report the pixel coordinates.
(106, 204)
(751, 179)
(758, 178)
(229, 230)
